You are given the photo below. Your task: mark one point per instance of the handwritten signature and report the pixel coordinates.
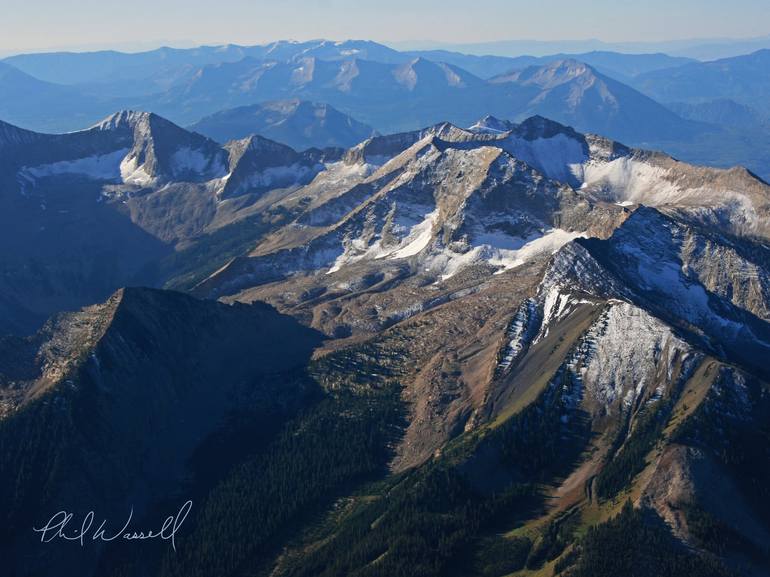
(61, 526)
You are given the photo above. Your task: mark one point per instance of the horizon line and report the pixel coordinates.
(399, 45)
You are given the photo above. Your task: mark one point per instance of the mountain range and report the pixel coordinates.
(648, 100)
(355, 311)
(741, 78)
(698, 48)
(124, 194)
(491, 350)
(105, 67)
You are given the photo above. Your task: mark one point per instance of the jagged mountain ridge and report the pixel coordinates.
(169, 188)
(641, 315)
(607, 354)
(186, 85)
(101, 208)
(589, 175)
(630, 322)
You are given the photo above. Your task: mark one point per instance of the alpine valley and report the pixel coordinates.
(483, 349)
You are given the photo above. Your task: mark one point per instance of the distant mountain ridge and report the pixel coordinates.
(702, 49)
(298, 123)
(398, 97)
(395, 91)
(94, 68)
(574, 93)
(745, 79)
(139, 80)
(31, 102)
(614, 64)
(720, 111)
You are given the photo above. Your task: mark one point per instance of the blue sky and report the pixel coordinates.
(43, 24)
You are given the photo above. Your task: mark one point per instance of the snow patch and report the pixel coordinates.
(630, 181)
(102, 167)
(418, 238)
(275, 177)
(502, 251)
(414, 234)
(559, 157)
(629, 351)
(199, 163)
(547, 244)
(520, 332)
(189, 160)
